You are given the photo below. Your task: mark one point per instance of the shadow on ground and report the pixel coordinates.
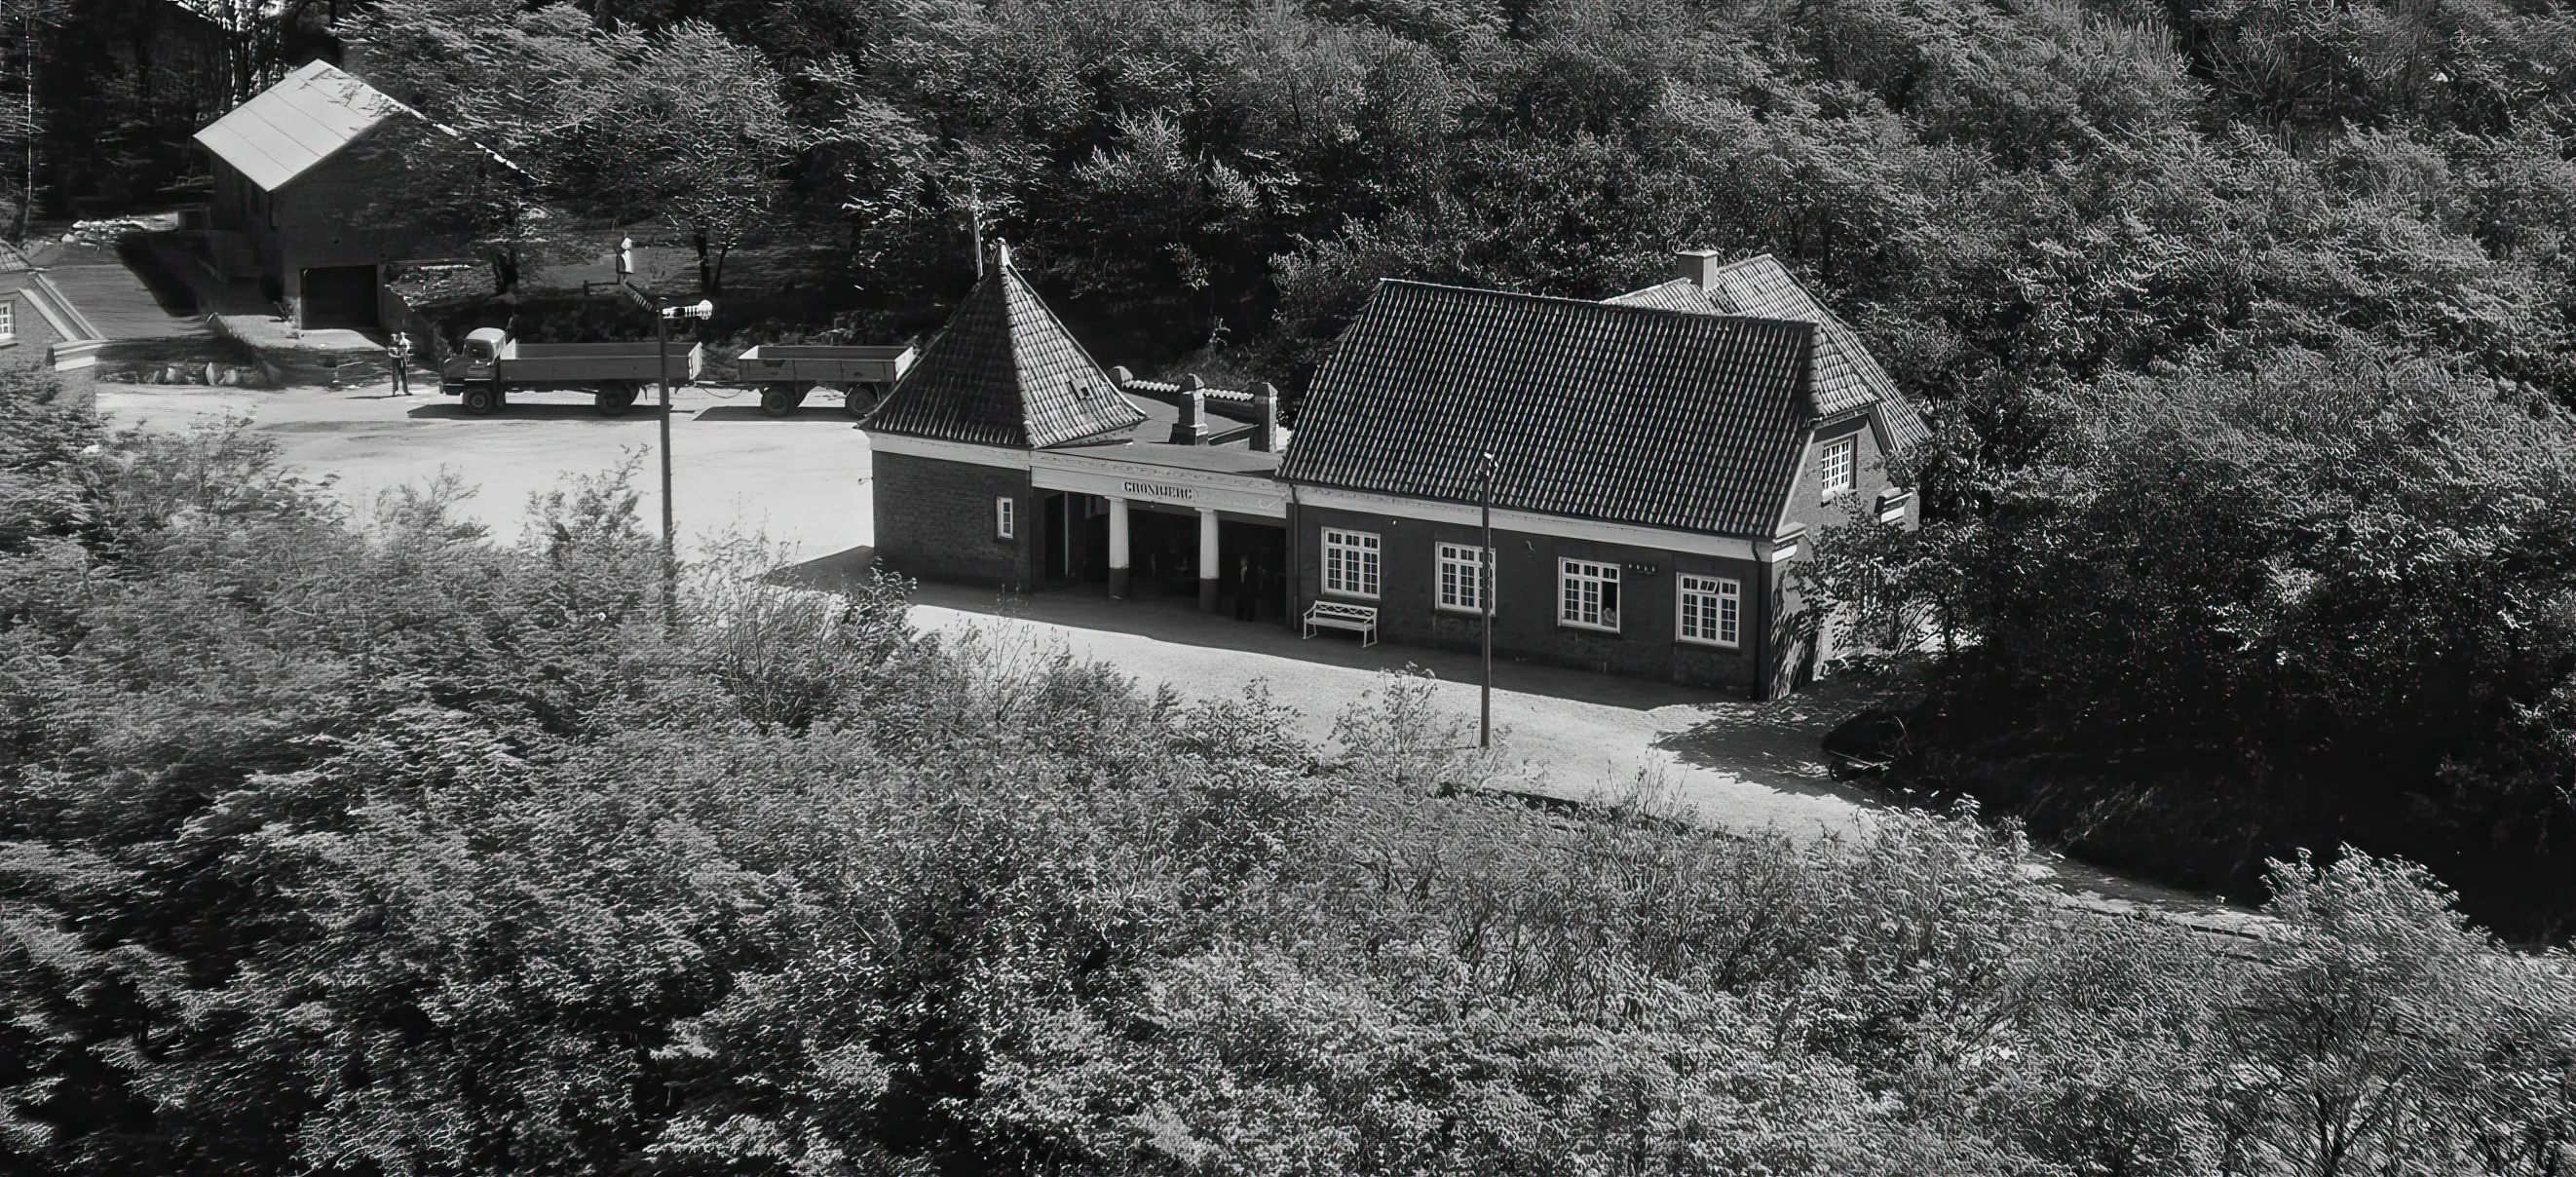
(1779, 743)
(826, 414)
(450, 410)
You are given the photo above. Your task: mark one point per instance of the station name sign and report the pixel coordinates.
(1156, 490)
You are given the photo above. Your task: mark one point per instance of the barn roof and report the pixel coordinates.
(1005, 372)
(283, 131)
(1594, 410)
(1847, 376)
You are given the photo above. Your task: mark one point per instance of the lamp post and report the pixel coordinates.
(1485, 595)
(701, 309)
(662, 316)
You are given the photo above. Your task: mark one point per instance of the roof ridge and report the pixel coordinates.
(1599, 304)
(81, 326)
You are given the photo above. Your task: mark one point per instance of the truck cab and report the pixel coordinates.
(478, 358)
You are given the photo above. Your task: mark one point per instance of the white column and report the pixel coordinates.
(1120, 578)
(1208, 570)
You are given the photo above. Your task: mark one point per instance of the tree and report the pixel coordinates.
(694, 131)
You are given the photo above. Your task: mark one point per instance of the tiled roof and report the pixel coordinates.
(1847, 376)
(1005, 372)
(1594, 410)
(307, 118)
(1680, 294)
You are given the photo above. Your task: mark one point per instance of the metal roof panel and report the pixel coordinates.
(308, 117)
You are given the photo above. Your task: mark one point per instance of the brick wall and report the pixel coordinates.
(1818, 640)
(27, 353)
(1526, 572)
(935, 521)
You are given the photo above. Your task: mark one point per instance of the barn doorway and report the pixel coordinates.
(340, 296)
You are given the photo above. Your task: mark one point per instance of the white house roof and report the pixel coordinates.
(307, 118)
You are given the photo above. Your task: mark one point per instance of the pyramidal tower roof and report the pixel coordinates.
(1005, 372)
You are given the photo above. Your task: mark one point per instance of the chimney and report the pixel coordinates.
(1698, 266)
(1265, 437)
(1192, 427)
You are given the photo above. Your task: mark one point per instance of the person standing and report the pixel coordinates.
(400, 351)
(1247, 588)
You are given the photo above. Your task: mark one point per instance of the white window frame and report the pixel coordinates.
(9, 319)
(1457, 567)
(1580, 596)
(1006, 517)
(1844, 452)
(1354, 563)
(1720, 602)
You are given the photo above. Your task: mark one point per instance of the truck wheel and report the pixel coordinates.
(482, 401)
(614, 399)
(858, 400)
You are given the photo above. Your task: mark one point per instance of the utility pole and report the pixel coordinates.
(670, 548)
(1485, 595)
(975, 225)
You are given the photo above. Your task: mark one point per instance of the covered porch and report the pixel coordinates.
(1166, 522)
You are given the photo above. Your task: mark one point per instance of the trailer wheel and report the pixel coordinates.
(859, 400)
(613, 400)
(778, 400)
(481, 400)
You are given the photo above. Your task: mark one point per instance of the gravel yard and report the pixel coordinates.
(802, 481)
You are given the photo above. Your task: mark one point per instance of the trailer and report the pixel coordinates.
(489, 366)
(786, 373)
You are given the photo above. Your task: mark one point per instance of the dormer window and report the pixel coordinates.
(1836, 465)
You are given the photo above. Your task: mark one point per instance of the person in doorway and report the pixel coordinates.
(1247, 588)
(399, 351)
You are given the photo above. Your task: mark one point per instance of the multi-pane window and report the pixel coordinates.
(1834, 465)
(8, 319)
(1712, 610)
(1006, 517)
(1461, 577)
(1591, 595)
(1350, 562)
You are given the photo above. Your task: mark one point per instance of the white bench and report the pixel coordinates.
(1359, 619)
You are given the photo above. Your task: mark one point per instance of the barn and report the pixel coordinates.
(311, 184)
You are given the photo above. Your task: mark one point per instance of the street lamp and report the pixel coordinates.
(701, 309)
(662, 316)
(1485, 594)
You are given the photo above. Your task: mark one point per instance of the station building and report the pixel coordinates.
(1659, 461)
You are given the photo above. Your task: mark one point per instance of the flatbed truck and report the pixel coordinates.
(489, 366)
